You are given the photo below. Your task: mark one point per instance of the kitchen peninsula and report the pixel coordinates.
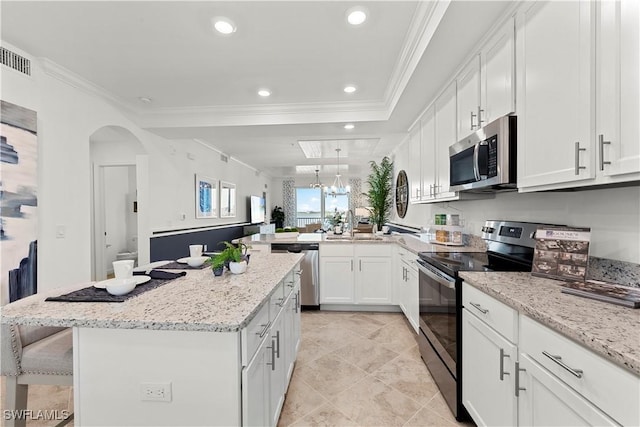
(203, 341)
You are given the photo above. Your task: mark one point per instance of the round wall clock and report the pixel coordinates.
(402, 193)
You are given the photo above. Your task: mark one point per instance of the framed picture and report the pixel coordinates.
(227, 200)
(206, 192)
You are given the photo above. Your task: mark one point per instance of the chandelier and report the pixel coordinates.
(338, 189)
(316, 184)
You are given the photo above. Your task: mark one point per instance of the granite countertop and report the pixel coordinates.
(408, 241)
(610, 330)
(196, 302)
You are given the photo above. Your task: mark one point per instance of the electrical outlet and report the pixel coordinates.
(159, 392)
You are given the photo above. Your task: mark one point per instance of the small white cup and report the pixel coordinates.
(123, 269)
(195, 251)
(385, 229)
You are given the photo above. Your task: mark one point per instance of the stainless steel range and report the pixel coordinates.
(510, 247)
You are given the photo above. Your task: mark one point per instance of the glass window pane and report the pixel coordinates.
(308, 206)
(333, 204)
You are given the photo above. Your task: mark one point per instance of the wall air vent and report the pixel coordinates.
(224, 158)
(15, 61)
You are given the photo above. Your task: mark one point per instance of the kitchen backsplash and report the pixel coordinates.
(609, 270)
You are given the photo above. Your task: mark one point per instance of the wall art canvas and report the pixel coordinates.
(18, 201)
(206, 197)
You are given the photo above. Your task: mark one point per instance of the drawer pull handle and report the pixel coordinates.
(575, 372)
(290, 284)
(299, 272)
(502, 372)
(264, 330)
(479, 307)
(273, 356)
(518, 370)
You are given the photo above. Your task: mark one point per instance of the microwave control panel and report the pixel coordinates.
(492, 158)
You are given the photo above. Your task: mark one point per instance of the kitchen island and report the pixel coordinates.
(191, 352)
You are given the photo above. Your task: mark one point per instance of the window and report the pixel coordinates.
(313, 206)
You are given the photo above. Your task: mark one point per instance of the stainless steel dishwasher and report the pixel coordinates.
(309, 294)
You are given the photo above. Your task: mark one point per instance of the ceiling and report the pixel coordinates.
(203, 85)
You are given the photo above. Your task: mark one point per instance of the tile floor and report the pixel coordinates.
(353, 369)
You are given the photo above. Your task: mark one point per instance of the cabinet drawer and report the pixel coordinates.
(380, 249)
(289, 282)
(499, 316)
(613, 389)
(332, 249)
(254, 333)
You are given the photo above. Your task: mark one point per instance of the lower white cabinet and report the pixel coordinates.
(544, 400)
(488, 361)
(407, 287)
(356, 274)
(265, 379)
(541, 378)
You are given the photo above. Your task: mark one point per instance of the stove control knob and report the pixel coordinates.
(488, 229)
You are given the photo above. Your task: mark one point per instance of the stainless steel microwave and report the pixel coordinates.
(486, 159)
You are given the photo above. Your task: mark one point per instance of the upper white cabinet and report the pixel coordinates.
(468, 83)
(578, 61)
(618, 88)
(497, 71)
(445, 136)
(429, 162)
(414, 174)
(486, 85)
(555, 144)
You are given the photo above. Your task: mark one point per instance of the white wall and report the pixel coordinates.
(67, 118)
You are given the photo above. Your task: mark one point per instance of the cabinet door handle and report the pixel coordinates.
(577, 161)
(277, 337)
(359, 265)
(502, 372)
(479, 307)
(602, 143)
(480, 121)
(264, 330)
(472, 116)
(272, 347)
(296, 306)
(404, 274)
(351, 265)
(518, 370)
(290, 284)
(299, 272)
(575, 372)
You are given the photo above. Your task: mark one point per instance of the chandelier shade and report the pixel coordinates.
(338, 188)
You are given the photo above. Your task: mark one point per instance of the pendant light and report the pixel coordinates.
(316, 184)
(338, 189)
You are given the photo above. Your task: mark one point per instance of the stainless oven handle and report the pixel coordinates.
(476, 159)
(451, 284)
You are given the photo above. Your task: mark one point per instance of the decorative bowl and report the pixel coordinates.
(196, 261)
(121, 287)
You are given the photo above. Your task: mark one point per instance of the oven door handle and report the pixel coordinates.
(444, 281)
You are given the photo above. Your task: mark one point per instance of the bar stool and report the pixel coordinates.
(34, 355)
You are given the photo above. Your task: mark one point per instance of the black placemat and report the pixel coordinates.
(93, 294)
(174, 265)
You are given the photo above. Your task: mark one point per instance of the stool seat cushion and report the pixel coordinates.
(52, 355)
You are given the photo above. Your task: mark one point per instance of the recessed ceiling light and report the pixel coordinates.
(356, 15)
(349, 89)
(349, 126)
(145, 100)
(224, 25)
(264, 92)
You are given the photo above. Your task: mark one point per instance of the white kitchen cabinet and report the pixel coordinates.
(428, 160)
(554, 103)
(497, 75)
(488, 361)
(468, 95)
(414, 172)
(279, 370)
(445, 136)
(407, 286)
(356, 274)
(618, 89)
(256, 386)
(544, 400)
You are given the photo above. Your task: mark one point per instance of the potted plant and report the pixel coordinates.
(217, 264)
(277, 216)
(336, 222)
(380, 184)
(235, 258)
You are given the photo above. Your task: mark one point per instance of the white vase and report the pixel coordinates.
(238, 267)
